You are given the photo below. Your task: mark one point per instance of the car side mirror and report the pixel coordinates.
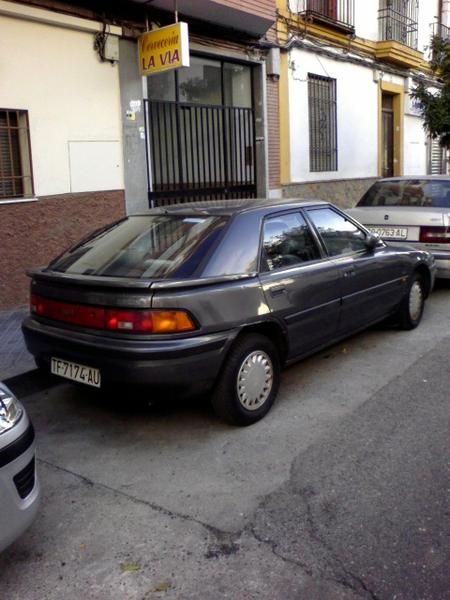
(371, 241)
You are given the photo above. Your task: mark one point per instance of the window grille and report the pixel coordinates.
(15, 155)
(323, 152)
(437, 163)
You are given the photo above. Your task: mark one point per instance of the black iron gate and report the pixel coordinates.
(199, 152)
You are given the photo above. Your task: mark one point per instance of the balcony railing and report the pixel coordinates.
(337, 14)
(398, 21)
(438, 30)
(442, 31)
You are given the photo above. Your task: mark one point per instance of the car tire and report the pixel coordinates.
(249, 382)
(411, 309)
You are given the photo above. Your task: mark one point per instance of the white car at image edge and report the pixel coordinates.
(19, 486)
(411, 210)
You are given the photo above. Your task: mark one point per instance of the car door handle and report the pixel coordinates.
(349, 272)
(276, 290)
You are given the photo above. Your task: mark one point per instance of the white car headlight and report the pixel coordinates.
(10, 409)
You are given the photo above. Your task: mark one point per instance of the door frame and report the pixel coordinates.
(398, 93)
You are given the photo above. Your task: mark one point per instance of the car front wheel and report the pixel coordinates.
(411, 309)
(249, 381)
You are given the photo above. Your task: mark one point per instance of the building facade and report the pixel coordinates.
(85, 139)
(287, 98)
(346, 113)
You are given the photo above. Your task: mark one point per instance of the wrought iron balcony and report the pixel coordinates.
(398, 21)
(337, 14)
(441, 31)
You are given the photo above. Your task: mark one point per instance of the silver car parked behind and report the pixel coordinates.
(19, 487)
(412, 210)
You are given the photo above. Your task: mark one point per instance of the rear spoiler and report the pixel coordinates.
(42, 274)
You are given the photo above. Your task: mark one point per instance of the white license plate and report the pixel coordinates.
(392, 233)
(76, 372)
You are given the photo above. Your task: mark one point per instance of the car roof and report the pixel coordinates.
(232, 207)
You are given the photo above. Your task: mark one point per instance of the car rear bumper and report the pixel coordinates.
(442, 265)
(191, 364)
(19, 486)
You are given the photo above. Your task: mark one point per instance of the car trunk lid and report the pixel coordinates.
(401, 223)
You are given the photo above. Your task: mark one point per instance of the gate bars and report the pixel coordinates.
(199, 152)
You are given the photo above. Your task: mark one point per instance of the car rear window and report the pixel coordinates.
(153, 246)
(408, 192)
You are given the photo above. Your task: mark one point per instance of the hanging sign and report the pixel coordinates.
(163, 49)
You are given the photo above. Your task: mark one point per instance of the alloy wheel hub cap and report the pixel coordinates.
(255, 380)
(415, 300)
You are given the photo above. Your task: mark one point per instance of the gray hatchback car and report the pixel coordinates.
(218, 297)
(19, 487)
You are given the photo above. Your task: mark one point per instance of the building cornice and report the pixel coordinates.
(391, 52)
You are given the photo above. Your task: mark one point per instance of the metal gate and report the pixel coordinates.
(199, 152)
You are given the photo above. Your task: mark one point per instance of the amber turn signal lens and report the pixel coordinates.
(171, 321)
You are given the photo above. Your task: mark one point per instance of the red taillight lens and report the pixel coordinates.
(129, 321)
(121, 320)
(77, 314)
(435, 235)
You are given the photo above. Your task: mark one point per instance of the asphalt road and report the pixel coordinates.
(340, 493)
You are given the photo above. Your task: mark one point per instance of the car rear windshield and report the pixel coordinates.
(153, 246)
(408, 192)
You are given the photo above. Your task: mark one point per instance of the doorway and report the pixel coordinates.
(387, 116)
(200, 128)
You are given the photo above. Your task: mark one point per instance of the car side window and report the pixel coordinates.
(339, 235)
(287, 241)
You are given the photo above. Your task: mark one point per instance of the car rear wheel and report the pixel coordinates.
(411, 309)
(249, 381)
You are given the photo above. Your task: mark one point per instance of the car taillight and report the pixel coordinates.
(148, 321)
(435, 235)
(76, 314)
(121, 320)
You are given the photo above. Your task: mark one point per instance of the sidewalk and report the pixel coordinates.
(14, 357)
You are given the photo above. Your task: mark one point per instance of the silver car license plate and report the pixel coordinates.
(391, 233)
(76, 372)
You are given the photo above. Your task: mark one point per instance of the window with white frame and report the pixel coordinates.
(16, 179)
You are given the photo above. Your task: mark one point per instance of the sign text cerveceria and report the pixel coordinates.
(163, 49)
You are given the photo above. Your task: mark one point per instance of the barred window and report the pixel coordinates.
(323, 155)
(15, 155)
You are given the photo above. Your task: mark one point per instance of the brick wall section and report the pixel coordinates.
(342, 192)
(32, 233)
(273, 128)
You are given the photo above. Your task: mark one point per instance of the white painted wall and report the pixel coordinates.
(415, 149)
(54, 73)
(366, 19)
(357, 117)
(428, 15)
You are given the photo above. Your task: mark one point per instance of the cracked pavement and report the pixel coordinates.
(340, 493)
